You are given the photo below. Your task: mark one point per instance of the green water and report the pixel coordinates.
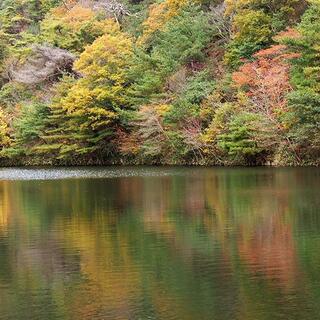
(160, 243)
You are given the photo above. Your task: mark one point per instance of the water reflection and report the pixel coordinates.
(188, 244)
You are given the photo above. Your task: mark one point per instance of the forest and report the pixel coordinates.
(188, 82)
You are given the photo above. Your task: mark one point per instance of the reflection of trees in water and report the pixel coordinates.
(183, 246)
(270, 250)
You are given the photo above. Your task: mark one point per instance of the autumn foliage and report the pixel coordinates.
(166, 82)
(266, 80)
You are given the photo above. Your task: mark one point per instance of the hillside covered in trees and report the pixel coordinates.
(208, 82)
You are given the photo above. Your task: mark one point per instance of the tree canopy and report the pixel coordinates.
(166, 82)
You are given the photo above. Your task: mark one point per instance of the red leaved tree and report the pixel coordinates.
(266, 80)
(266, 83)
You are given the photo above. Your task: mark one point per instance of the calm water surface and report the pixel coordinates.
(159, 243)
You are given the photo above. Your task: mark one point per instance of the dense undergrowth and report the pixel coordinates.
(234, 82)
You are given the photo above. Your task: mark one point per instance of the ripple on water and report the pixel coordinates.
(85, 172)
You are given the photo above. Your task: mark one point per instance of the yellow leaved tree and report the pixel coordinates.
(159, 15)
(73, 28)
(4, 131)
(93, 103)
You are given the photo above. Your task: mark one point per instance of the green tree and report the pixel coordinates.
(28, 126)
(255, 22)
(304, 102)
(181, 41)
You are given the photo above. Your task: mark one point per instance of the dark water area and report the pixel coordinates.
(160, 243)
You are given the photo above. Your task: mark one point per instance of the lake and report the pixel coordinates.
(160, 243)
